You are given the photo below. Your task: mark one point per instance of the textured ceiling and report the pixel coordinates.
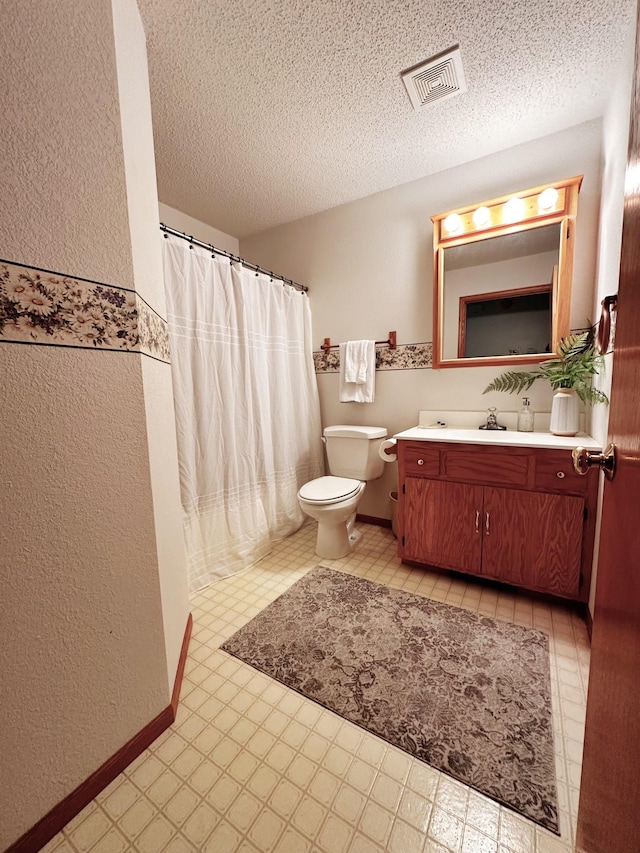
(265, 111)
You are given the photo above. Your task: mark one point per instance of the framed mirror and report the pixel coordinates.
(502, 277)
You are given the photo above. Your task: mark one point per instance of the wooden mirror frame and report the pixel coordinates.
(563, 213)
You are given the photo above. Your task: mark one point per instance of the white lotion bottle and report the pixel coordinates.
(525, 417)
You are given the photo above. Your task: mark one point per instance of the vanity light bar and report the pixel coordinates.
(538, 203)
(515, 210)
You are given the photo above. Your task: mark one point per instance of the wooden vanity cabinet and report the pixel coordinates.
(513, 514)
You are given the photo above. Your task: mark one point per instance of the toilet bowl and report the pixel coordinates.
(332, 502)
(352, 454)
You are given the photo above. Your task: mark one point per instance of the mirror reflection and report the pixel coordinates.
(498, 295)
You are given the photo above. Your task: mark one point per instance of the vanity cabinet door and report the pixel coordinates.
(442, 524)
(533, 539)
(536, 516)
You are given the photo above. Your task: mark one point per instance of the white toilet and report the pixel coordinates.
(352, 454)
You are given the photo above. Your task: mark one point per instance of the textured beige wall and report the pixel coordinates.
(84, 662)
(167, 509)
(61, 170)
(369, 267)
(137, 148)
(137, 137)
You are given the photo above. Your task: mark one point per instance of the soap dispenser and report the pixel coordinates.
(525, 417)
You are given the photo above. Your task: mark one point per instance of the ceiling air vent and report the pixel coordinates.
(438, 78)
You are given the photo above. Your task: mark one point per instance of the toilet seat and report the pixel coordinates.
(327, 490)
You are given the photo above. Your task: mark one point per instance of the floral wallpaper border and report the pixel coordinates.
(43, 307)
(404, 357)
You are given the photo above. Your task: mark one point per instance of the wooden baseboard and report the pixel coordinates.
(184, 650)
(589, 620)
(60, 815)
(372, 519)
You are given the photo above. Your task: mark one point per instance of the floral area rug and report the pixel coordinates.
(467, 694)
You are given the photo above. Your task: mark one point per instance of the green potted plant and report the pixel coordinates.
(570, 374)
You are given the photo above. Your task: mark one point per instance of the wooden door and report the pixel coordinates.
(609, 811)
(533, 539)
(442, 524)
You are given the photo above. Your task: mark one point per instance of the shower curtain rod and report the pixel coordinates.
(193, 242)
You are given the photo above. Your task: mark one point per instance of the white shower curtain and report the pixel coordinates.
(247, 410)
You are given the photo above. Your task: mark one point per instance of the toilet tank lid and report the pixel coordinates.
(347, 431)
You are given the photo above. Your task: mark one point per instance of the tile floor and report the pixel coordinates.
(250, 765)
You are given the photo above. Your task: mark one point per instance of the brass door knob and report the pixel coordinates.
(585, 459)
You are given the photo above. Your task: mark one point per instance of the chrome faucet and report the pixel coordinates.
(492, 420)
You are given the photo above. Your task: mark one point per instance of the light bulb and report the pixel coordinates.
(481, 217)
(548, 198)
(453, 223)
(513, 210)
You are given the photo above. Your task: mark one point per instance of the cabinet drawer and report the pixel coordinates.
(421, 460)
(486, 465)
(555, 473)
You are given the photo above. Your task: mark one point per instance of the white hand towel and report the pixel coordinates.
(357, 360)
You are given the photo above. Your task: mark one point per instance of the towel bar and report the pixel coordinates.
(391, 342)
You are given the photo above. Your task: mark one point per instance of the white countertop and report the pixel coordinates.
(508, 438)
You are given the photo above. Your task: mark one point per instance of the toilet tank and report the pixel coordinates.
(352, 451)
